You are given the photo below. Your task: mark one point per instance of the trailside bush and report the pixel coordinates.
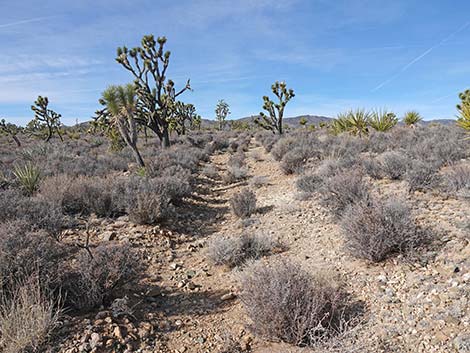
(286, 303)
(98, 273)
(243, 204)
(343, 190)
(375, 230)
(394, 164)
(236, 251)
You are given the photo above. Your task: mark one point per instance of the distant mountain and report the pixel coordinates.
(291, 121)
(441, 121)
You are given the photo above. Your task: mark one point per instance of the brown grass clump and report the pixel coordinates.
(27, 318)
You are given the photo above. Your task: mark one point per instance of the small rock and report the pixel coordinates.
(117, 333)
(95, 340)
(228, 296)
(109, 236)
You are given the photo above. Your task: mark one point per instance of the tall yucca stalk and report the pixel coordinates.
(28, 176)
(382, 120)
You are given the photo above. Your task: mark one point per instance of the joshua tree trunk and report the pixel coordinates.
(18, 143)
(165, 137)
(137, 155)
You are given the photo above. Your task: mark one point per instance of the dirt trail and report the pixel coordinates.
(188, 305)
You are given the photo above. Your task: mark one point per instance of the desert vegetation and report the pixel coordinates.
(149, 229)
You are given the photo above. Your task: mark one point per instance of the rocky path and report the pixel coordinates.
(186, 304)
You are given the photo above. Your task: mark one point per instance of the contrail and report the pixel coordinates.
(419, 57)
(37, 19)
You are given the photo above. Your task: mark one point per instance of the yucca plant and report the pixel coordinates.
(28, 176)
(355, 122)
(340, 124)
(463, 108)
(382, 120)
(411, 118)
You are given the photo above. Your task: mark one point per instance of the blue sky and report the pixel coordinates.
(336, 55)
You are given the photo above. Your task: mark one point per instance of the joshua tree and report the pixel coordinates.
(11, 130)
(273, 122)
(183, 114)
(156, 93)
(412, 118)
(222, 111)
(120, 112)
(463, 108)
(196, 123)
(382, 120)
(45, 119)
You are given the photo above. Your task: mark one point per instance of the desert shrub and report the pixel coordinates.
(282, 146)
(96, 276)
(331, 166)
(456, 180)
(37, 212)
(286, 303)
(268, 140)
(27, 318)
(295, 160)
(42, 214)
(394, 164)
(10, 203)
(422, 176)
(379, 142)
(85, 195)
(24, 253)
(343, 146)
(147, 201)
(237, 160)
(28, 176)
(182, 156)
(234, 146)
(342, 190)
(375, 230)
(234, 174)
(439, 145)
(308, 183)
(219, 143)
(259, 181)
(243, 204)
(210, 171)
(372, 167)
(71, 160)
(236, 251)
